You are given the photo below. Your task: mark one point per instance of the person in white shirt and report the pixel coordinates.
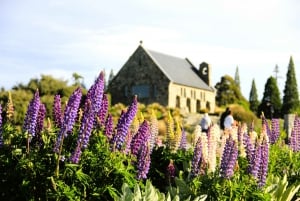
(205, 123)
(229, 120)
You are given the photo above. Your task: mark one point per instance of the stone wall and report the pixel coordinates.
(152, 85)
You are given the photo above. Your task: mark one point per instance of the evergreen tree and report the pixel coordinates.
(111, 76)
(290, 93)
(237, 78)
(253, 98)
(271, 102)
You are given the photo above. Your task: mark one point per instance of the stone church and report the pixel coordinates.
(164, 79)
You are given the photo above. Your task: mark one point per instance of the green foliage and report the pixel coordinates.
(241, 114)
(47, 86)
(253, 98)
(103, 174)
(228, 92)
(279, 189)
(291, 101)
(271, 102)
(283, 161)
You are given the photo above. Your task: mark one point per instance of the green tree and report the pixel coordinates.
(111, 76)
(290, 94)
(228, 92)
(237, 78)
(47, 85)
(253, 98)
(271, 102)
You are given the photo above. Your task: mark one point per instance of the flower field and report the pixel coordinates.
(83, 152)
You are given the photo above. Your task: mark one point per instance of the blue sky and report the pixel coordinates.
(60, 37)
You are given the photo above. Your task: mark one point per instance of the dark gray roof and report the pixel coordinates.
(178, 70)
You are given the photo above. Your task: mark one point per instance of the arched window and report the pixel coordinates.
(198, 106)
(177, 101)
(188, 104)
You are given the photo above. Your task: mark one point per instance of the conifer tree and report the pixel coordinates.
(111, 76)
(253, 98)
(237, 78)
(290, 93)
(271, 102)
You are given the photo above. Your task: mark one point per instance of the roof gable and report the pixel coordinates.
(178, 70)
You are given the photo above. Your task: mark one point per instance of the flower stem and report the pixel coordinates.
(59, 155)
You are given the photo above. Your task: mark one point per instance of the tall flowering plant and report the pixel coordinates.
(56, 111)
(91, 110)
(294, 140)
(124, 122)
(1, 134)
(229, 158)
(31, 118)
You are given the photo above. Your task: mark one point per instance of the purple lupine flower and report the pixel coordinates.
(71, 111)
(128, 140)
(30, 121)
(140, 138)
(171, 170)
(143, 162)
(103, 110)
(298, 132)
(37, 139)
(69, 119)
(57, 114)
(123, 125)
(275, 131)
(294, 140)
(108, 129)
(197, 158)
(250, 151)
(95, 93)
(1, 135)
(75, 157)
(229, 158)
(85, 130)
(40, 119)
(256, 161)
(263, 170)
(86, 123)
(267, 127)
(183, 142)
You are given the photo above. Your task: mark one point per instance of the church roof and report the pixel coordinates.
(178, 70)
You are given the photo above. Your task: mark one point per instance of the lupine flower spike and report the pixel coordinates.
(103, 111)
(123, 125)
(108, 129)
(1, 134)
(197, 158)
(294, 140)
(153, 130)
(30, 121)
(275, 131)
(85, 131)
(57, 114)
(40, 125)
(10, 108)
(70, 115)
(95, 93)
(140, 138)
(229, 158)
(183, 143)
(170, 131)
(143, 162)
(69, 119)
